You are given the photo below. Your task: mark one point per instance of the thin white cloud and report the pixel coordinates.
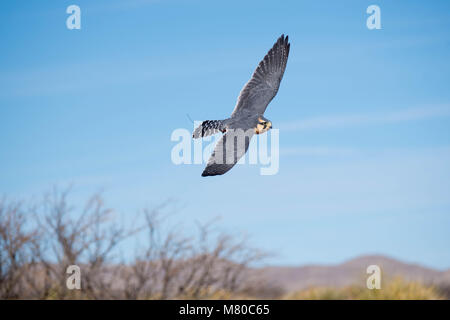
(319, 151)
(352, 120)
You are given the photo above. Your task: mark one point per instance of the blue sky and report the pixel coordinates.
(364, 117)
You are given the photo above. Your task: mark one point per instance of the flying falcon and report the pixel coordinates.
(247, 118)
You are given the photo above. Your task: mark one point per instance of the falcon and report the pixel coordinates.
(247, 118)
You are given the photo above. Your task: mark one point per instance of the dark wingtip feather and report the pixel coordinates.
(206, 173)
(280, 40)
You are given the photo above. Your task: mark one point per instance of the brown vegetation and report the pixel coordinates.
(38, 243)
(397, 289)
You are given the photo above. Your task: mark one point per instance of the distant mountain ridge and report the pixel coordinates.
(350, 272)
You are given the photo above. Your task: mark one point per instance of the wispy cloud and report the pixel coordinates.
(352, 120)
(318, 151)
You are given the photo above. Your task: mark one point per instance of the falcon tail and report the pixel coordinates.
(209, 127)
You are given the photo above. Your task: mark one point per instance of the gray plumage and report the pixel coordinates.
(247, 117)
(230, 148)
(263, 86)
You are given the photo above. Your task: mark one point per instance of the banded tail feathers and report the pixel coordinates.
(209, 127)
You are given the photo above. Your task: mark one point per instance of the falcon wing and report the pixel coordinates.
(230, 148)
(263, 86)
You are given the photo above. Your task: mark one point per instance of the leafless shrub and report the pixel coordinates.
(177, 266)
(17, 241)
(168, 263)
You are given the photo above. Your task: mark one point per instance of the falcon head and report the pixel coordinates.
(263, 125)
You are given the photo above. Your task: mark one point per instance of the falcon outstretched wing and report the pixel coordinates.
(263, 86)
(230, 148)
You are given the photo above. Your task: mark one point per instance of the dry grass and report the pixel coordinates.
(397, 289)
